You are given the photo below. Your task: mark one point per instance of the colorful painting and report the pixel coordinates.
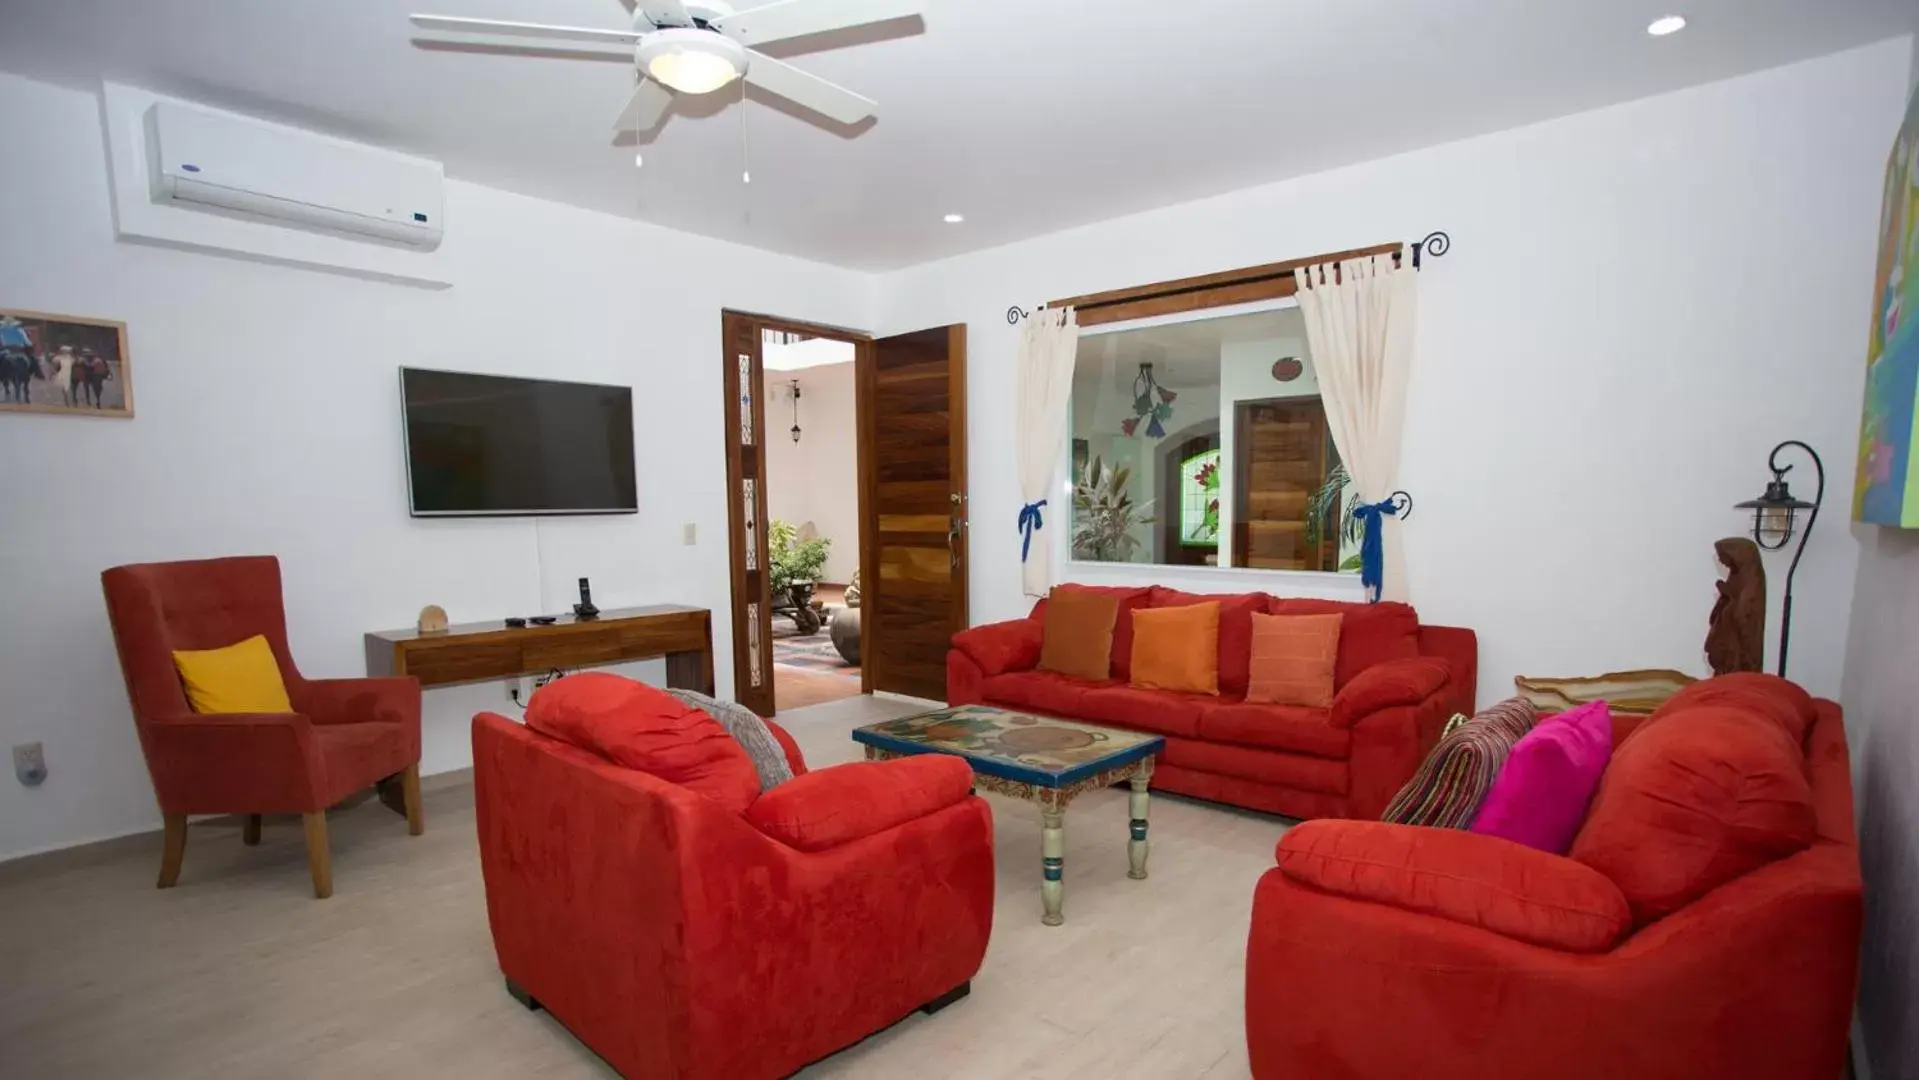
(1887, 489)
(65, 365)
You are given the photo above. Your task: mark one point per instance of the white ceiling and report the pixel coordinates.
(1027, 116)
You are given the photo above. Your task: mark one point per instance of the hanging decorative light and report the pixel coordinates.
(795, 383)
(1152, 403)
(1775, 518)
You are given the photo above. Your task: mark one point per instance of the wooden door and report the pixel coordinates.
(745, 425)
(912, 417)
(1281, 450)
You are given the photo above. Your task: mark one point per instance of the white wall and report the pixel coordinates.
(1639, 303)
(817, 479)
(1882, 727)
(269, 423)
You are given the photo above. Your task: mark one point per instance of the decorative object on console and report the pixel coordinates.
(1886, 485)
(432, 619)
(585, 609)
(1736, 629)
(1774, 518)
(64, 364)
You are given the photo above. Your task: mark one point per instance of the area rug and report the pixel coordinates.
(814, 652)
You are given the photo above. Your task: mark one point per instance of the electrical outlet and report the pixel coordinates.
(30, 763)
(689, 534)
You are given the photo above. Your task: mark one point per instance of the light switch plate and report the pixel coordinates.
(689, 534)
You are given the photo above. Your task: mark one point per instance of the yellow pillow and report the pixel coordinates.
(242, 678)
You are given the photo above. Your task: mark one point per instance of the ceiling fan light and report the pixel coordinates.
(692, 61)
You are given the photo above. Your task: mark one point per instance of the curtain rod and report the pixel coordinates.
(1436, 244)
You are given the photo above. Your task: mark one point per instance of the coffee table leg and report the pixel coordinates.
(1136, 847)
(1052, 849)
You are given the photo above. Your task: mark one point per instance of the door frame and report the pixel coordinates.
(750, 587)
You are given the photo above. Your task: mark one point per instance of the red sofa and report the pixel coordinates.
(1396, 684)
(1382, 951)
(680, 939)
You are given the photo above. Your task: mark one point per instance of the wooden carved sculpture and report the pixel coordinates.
(1736, 632)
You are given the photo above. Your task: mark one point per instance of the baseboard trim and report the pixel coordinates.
(84, 852)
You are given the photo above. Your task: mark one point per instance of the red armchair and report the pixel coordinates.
(343, 736)
(679, 939)
(1381, 950)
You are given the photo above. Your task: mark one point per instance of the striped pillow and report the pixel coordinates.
(1455, 777)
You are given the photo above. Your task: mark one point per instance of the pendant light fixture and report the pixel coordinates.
(796, 409)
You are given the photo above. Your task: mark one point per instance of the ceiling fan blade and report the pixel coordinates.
(784, 19)
(664, 13)
(811, 91)
(522, 29)
(646, 108)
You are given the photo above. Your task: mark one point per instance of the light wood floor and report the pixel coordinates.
(240, 973)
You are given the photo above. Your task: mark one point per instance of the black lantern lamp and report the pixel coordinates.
(1775, 518)
(796, 410)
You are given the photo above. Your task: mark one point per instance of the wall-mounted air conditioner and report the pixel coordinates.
(291, 177)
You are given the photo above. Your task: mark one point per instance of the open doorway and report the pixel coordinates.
(813, 516)
(863, 607)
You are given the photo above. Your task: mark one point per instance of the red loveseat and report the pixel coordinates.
(680, 939)
(1396, 683)
(1382, 950)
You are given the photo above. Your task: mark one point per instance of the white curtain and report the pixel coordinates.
(1048, 342)
(1359, 325)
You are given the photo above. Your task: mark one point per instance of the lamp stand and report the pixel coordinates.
(1818, 499)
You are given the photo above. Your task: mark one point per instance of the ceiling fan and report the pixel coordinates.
(699, 46)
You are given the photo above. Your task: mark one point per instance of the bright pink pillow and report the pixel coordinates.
(1540, 796)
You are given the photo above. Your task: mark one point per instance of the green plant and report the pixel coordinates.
(1323, 504)
(791, 558)
(1104, 515)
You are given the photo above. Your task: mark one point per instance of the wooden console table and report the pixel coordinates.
(475, 652)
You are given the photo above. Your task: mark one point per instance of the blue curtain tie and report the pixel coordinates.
(1029, 523)
(1372, 547)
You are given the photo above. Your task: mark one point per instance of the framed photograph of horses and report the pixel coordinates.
(64, 364)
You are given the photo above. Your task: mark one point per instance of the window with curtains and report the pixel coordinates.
(1199, 439)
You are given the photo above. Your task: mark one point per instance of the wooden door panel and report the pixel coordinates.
(1281, 463)
(745, 426)
(912, 405)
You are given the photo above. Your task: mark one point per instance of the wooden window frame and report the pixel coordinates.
(1247, 285)
(1227, 288)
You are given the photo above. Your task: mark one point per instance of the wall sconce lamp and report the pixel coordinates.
(1775, 517)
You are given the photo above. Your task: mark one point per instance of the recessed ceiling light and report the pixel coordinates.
(1670, 24)
(954, 219)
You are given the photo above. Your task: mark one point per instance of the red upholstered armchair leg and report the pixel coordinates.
(250, 831)
(401, 794)
(319, 857)
(173, 849)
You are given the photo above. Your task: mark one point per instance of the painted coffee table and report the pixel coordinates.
(1039, 758)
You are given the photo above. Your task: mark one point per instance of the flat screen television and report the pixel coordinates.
(480, 445)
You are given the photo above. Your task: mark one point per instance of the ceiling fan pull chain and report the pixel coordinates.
(746, 163)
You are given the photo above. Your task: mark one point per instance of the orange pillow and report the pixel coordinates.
(1294, 658)
(1177, 648)
(1077, 634)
